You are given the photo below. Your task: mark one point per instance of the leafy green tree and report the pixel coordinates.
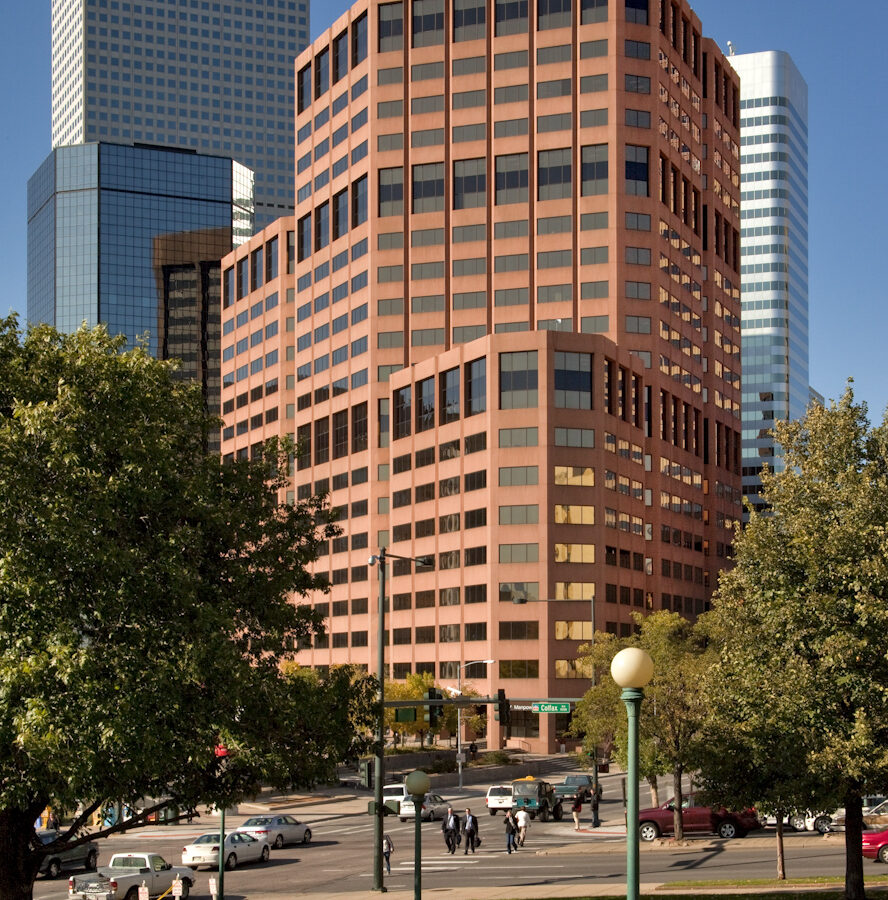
(146, 600)
(806, 602)
(672, 713)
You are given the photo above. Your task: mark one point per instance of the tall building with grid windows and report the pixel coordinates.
(507, 336)
(774, 249)
(205, 75)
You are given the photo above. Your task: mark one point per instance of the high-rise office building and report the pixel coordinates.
(213, 77)
(774, 249)
(132, 237)
(507, 336)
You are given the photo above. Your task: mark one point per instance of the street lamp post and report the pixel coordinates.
(632, 669)
(459, 756)
(379, 764)
(417, 784)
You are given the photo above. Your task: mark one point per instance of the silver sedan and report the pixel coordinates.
(434, 807)
(277, 830)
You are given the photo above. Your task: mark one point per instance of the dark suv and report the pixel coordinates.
(696, 820)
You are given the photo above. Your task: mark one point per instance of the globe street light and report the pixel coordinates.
(632, 669)
(417, 784)
(459, 753)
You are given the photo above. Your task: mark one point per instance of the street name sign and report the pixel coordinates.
(546, 706)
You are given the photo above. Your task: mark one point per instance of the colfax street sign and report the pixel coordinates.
(546, 706)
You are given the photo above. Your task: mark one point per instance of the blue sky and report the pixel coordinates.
(841, 53)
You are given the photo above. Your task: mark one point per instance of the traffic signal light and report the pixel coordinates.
(433, 712)
(503, 708)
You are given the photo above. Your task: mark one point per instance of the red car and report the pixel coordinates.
(875, 845)
(696, 820)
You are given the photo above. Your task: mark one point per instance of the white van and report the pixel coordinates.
(393, 794)
(499, 796)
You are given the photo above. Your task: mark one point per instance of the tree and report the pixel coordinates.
(146, 600)
(806, 603)
(673, 711)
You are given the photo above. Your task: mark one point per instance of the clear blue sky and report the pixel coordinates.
(841, 52)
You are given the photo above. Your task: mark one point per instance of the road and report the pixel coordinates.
(339, 858)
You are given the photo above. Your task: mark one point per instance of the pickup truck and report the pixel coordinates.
(576, 785)
(125, 874)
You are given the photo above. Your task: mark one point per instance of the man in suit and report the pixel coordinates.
(450, 826)
(470, 830)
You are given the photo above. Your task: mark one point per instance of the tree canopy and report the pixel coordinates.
(801, 621)
(146, 598)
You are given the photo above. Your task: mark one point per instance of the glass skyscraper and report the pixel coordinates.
(774, 249)
(213, 77)
(132, 237)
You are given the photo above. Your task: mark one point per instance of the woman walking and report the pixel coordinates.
(511, 831)
(576, 809)
(387, 849)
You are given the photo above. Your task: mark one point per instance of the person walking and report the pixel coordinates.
(576, 809)
(387, 849)
(522, 820)
(511, 831)
(596, 796)
(470, 830)
(450, 827)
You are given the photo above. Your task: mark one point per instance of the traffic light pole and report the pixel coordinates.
(380, 732)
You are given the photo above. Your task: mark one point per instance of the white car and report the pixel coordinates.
(434, 807)
(277, 830)
(239, 848)
(499, 796)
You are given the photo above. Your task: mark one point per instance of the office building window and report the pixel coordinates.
(519, 591)
(511, 17)
(511, 179)
(340, 56)
(449, 389)
(519, 378)
(303, 88)
(391, 27)
(322, 440)
(359, 38)
(340, 214)
(322, 226)
(425, 405)
(637, 170)
(402, 413)
(391, 191)
(637, 11)
(554, 174)
(553, 14)
(476, 387)
(592, 11)
(469, 183)
(359, 427)
(321, 73)
(428, 187)
(594, 169)
(428, 22)
(638, 84)
(359, 199)
(469, 20)
(573, 380)
(303, 238)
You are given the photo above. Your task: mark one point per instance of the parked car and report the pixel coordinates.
(577, 786)
(875, 814)
(499, 796)
(875, 845)
(652, 823)
(277, 830)
(239, 848)
(434, 806)
(84, 856)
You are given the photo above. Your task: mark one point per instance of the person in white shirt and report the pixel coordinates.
(523, 820)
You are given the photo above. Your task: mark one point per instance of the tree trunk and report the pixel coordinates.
(679, 802)
(854, 889)
(655, 790)
(781, 859)
(18, 862)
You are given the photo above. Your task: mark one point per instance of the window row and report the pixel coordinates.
(250, 273)
(332, 219)
(330, 437)
(447, 487)
(331, 64)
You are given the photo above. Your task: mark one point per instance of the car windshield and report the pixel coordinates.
(207, 839)
(523, 789)
(258, 820)
(879, 810)
(47, 836)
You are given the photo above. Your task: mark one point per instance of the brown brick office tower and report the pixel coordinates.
(506, 325)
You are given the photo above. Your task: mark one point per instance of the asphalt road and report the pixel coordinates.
(339, 858)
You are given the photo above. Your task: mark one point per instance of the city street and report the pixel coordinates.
(339, 858)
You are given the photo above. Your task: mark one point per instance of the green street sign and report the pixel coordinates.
(545, 707)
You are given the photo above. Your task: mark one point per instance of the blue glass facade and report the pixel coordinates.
(132, 237)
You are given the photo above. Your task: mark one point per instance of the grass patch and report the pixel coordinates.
(813, 881)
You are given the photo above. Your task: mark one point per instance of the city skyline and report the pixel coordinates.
(842, 90)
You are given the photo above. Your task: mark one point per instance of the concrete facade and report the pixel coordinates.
(507, 334)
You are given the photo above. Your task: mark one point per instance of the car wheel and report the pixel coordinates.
(403, 818)
(92, 860)
(186, 888)
(648, 831)
(266, 852)
(193, 868)
(544, 814)
(797, 823)
(728, 830)
(431, 815)
(822, 823)
(54, 869)
(307, 836)
(883, 854)
(558, 813)
(279, 842)
(132, 894)
(231, 862)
